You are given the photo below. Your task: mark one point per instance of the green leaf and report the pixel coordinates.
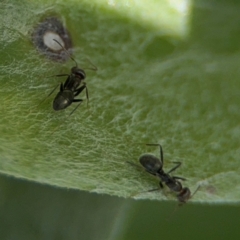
(166, 74)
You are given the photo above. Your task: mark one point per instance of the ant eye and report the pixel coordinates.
(49, 29)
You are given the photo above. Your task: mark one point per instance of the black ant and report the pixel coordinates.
(154, 166)
(72, 87)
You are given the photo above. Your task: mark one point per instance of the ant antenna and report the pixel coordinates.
(181, 204)
(94, 68)
(174, 210)
(195, 191)
(65, 51)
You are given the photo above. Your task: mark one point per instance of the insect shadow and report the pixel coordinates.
(154, 166)
(72, 87)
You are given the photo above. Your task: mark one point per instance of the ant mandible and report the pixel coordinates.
(154, 166)
(72, 87)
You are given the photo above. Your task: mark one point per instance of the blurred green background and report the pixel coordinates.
(33, 211)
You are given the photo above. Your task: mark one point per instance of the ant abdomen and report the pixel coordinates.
(150, 163)
(63, 100)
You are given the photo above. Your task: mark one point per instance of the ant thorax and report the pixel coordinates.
(174, 185)
(163, 176)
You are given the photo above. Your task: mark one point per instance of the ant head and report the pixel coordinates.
(150, 163)
(78, 72)
(184, 195)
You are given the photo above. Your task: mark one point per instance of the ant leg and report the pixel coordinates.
(156, 189)
(76, 100)
(133, 164)
(66, 82)
(151, 190)
(54, 90)
(62, 75)
(59, 75)
(180, 178)
(84, 84)
(161, 151)
(174, 168)
(87, 94)
(61, 87)
(50, 94)
(153, 173)
(79, 90)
